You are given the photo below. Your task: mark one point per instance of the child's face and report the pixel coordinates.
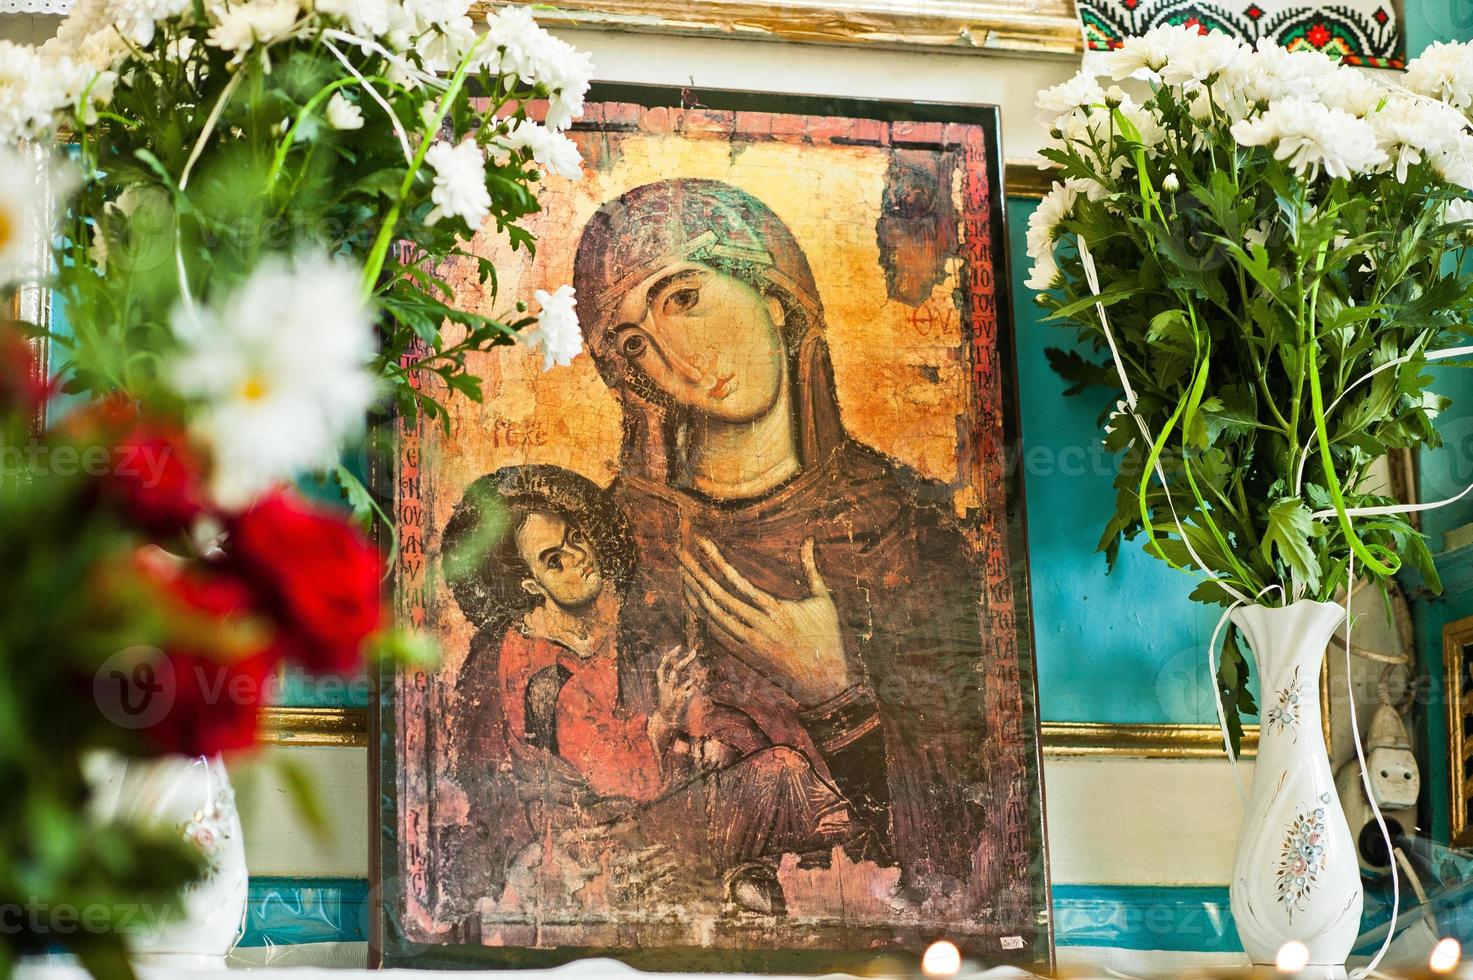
(560, 560)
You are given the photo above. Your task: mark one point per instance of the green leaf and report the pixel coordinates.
(1288, 533)
(1232, 686)
(1231, 412)
(1171, 329)
(1112, 294)
(360, 500)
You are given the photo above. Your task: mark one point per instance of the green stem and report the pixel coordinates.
(285, 146)
(380, 250)
(1332, 482)
(1194, 401)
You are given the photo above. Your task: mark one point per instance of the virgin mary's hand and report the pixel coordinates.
(795, 642)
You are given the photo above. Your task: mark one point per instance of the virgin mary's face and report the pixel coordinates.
(708, 340)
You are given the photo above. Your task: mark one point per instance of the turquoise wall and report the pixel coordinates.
(1124, 647)
(1436, 20)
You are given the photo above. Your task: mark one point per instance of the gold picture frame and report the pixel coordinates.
(1457, 638)
(981, 26)
(348, 728)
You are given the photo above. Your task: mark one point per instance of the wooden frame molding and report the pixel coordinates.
(1048, 27)
(344, 727)
(348, 727)
(1158, 741)
(1030, 178)
(1456, 636)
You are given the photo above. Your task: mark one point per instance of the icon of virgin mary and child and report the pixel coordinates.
(761, 645)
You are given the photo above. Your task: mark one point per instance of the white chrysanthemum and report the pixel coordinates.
(182, 49)
(1081, 91)
(28, 95)
(134, 198)
(85, 17)
(1278, 73)
(1460, 214)
(1088, 186)
(281, 371)
(516, 45)
(1199, 57)
(460, 183)
(74, 77)
(1043, 229)
(569, 84)
(1458, 211)
(1443, 71)
(1083, 128)
(1353, 91)
(365, 18)
(1142, 57)
(342, 114)
(557, 332)
(444, 32)
(137, 20)
(513, 41)
(1410, 130)
(1044, 274)
(550, 149)
(89, 37)
(1313, 137)
(241, 26)
(97, 251)
(1143, 118)
(1454, 163)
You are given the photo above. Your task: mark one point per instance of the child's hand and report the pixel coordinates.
(677, 679)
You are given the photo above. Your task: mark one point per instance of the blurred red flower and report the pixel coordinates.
(321, 574)
(156, 478)
(24, 387)
(214, 705)
(220, 657)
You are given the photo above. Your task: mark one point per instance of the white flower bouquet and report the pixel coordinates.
(228, 148)
(1261, 250)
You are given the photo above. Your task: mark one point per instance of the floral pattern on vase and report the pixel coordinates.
(1284, 715)
(1302, 857)
(211, 829)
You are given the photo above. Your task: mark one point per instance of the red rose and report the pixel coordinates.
(322, 574)
(213, 705)
(156, 478)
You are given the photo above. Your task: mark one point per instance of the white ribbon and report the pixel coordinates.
(1365, 778)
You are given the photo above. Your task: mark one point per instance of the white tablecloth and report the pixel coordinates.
(344, 961)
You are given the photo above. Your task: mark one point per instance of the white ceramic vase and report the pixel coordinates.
(193, 796)
(1295, 876)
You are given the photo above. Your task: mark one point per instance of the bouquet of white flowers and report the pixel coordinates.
(227, 148)
(258, 199)
(1261, 251)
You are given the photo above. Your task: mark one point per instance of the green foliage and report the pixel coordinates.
(199, 167)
